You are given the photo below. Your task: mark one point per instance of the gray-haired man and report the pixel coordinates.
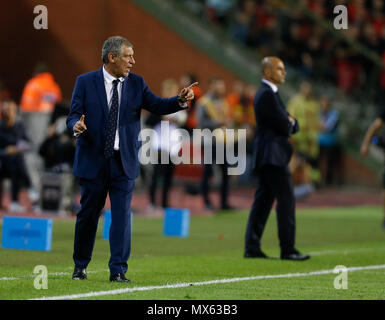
(105, 116)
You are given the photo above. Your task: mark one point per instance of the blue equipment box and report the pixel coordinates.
(26, 233)
(176, 222)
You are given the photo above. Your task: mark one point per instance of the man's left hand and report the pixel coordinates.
(187, 93)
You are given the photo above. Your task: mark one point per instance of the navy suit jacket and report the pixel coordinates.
(271, 144)
(89, 98)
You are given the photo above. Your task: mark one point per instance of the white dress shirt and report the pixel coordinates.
(109, 90)
(272, 85)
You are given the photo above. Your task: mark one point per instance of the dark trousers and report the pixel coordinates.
(111, 179)
(331, 159)
(208, 172)
(274, 183)
(13, 167)
(165, 171)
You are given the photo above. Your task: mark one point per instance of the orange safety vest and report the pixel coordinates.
(40, 94)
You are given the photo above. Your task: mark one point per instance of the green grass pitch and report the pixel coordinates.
(352, 237)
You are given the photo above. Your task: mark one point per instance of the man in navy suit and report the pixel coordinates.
(105, 117)
(271, 156)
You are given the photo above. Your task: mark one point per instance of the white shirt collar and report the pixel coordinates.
(109, 78)
(272, 85)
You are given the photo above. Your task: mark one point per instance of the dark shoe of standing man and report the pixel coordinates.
(294, 255)
(79, 274)
(255, 254)
(120, 277)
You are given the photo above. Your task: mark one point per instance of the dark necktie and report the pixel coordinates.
(112, 121)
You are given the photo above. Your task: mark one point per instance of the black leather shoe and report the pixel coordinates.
(294, 255)
(120, 277)
(79, 274)
(255, 254)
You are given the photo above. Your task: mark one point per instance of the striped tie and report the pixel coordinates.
(112, 122)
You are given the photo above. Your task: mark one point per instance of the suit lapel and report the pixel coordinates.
(280, 101)
(276, 94)
(124, 95)
(101, 90)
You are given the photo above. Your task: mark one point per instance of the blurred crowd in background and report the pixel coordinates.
(285, 29)
(34, 136)
(37, 150)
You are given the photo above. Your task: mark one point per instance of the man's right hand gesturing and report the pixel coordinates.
(80, 126)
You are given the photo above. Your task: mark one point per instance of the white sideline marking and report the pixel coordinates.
(202, 283)
(50, 274)
(342, 251)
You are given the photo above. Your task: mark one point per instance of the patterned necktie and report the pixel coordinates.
(112, 121)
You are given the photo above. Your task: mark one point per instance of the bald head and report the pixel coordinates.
(273, 70)
(266, 64)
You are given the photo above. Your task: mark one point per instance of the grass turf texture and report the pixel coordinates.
(214, 250)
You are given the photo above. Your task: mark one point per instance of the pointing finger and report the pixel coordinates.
(192, 85)
(82, 118)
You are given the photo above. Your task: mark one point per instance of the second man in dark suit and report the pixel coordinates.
(271, 156)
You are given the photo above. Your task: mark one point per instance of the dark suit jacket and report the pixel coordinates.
(271, 145)
(11, 136)
(89, 98)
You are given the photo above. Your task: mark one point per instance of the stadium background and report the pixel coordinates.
(166, 48)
